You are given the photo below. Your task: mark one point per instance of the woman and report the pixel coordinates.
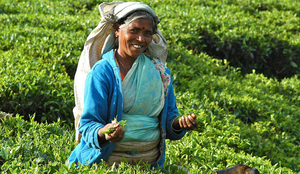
(128, 85)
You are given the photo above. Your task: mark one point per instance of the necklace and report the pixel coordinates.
(120, 62)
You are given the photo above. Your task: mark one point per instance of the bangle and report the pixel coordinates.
(175, 129)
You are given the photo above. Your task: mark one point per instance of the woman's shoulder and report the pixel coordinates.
(101, 72)
(101, 66)
(105, 63)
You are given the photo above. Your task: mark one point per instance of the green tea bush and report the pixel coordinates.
(28, 145)
(260, 35)
(34, 88)
(269, 109)
(32, 147)
(39, 57)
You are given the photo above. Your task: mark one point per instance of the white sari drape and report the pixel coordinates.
(143, 100)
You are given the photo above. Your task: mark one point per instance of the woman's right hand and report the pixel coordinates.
(114, 137)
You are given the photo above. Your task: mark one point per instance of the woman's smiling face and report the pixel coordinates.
(135, 37)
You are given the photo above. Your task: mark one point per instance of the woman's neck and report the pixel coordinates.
(126, 62)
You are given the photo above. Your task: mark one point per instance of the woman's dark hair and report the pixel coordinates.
(137, 15)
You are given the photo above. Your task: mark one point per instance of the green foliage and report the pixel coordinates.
(37, 87)
(243, 118)
(268, 109)
(256, 34)
(28, 145)
(202, 153)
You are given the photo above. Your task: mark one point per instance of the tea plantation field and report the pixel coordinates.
(235, 63)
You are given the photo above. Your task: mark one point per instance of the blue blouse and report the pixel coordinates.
(103, 100)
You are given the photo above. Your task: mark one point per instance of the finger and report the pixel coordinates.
(193, 115)
(118, 135)
(192, 120)
(111, 136)
(122, 133)
(108, 137)
(182, 122)
(111, 126)
(116, 132)
(115, 125)
(112, 139)
(189, 123)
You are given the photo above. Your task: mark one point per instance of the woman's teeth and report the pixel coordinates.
(137, 46)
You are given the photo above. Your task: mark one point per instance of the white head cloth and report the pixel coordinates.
(102, 39)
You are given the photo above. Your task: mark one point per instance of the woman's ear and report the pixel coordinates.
(116, 28)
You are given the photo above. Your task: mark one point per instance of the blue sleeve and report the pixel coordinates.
(95, 111)
(172, 113)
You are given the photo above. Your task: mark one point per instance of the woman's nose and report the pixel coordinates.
(141, 38)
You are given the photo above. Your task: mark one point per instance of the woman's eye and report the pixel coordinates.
(134, 30)
(149, 33)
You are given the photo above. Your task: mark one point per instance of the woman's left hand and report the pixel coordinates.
(188, 122)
